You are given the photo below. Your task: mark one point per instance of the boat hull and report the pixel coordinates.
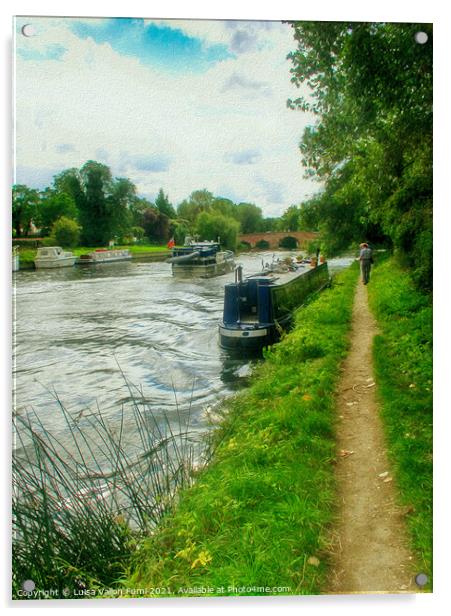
(257, 311)
(104, 256)
(201, 260)
(54, 263)
(200, 270)
(247, 340)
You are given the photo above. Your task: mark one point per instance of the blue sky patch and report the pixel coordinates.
(157, 45)
(244, 157)
(64, 148)
(150, 163)
(51, 52)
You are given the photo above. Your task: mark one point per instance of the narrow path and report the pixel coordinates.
(370, 552)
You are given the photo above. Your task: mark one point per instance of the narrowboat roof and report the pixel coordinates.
(280, 277)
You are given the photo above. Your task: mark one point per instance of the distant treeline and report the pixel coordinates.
(92, 208)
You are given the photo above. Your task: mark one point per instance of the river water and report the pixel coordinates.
(80, 333)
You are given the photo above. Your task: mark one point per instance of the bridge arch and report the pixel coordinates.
(274, 238)
(289, 242)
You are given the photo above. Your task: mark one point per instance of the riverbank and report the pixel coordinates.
(138, 252)
(256, 521)
(262, 518)
(403, 368)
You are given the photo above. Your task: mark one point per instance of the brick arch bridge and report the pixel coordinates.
(302, 237)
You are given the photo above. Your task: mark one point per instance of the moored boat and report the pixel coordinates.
(202, 259)
(258, 307)
(104, 255)
(53, 256)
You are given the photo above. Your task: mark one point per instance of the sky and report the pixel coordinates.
(175, 104)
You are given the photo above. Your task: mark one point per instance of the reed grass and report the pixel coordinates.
(82, 503)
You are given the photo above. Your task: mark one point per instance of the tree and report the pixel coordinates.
(210, 226)
(138, 206)
(138, 232)
(123, 193)
(339, 214)
(179, 231)
(269, 224)
(223, 206)
(156, 225)
(290, 219)
(370, 86)
(163, 205)
(65, 232)
(199, 201)
(103, 203)
(250, 217)
(95, 208)
(25, 202)
(53, 205)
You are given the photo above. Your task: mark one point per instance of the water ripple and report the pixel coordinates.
(84, 332)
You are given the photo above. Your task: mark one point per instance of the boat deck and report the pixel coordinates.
(282, 277)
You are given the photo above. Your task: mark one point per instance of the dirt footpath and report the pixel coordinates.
(370, 545)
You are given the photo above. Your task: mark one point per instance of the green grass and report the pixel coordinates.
(258, 515)
(403, 365)
(27, 256)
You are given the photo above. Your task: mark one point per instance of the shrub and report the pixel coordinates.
(180, 231)
(65, 232)
(138, 232)
(263, 244)
(34, 242)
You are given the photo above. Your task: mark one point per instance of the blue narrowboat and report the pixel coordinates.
(257, 308)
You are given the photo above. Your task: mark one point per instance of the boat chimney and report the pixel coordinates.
(239, 274)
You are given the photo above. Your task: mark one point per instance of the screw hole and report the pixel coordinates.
(28, 30)
(421, 38)
(421, 579)
(28, 586)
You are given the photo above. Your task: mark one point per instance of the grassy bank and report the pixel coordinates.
(255, 522)
(403, 365)
(27, 255)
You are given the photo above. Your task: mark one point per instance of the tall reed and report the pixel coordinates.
(82, 502)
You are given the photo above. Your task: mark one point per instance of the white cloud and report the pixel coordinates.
(176, 131)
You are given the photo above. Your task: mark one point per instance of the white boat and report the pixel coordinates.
(103, 255)
(53, 256)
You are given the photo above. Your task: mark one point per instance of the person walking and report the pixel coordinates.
(366, 260)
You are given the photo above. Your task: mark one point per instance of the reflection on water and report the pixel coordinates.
(81, 331)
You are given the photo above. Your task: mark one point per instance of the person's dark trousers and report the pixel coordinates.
(365, 266)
